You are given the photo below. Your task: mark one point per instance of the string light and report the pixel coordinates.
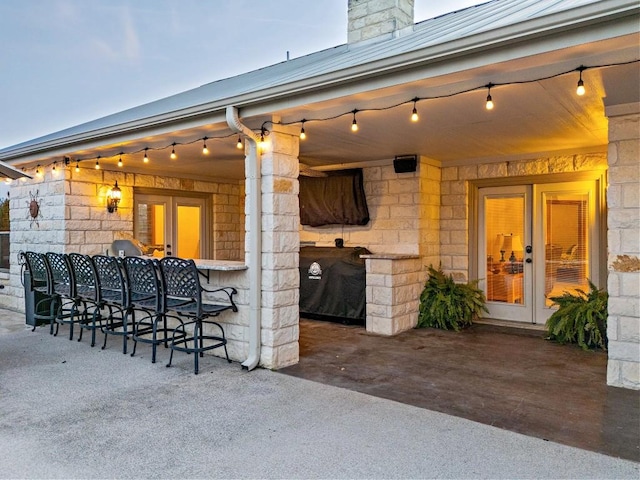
(263, 131)
(489, 104)
(205, 150)
(303, 135)
(120, 160)
(38, 171)
(77, 166)
(580, 90)
(414, 113)
(54, 171)
(98, 163)
(173, 151)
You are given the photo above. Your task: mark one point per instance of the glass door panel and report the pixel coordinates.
(504, 233)
(188, 229)
(152, 219)
(568, 234)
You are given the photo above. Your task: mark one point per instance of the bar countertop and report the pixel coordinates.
(219, 265)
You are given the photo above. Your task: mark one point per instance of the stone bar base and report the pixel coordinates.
(394, 284)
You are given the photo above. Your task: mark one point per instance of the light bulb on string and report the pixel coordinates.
(173, 151)
(239, 143)
(414, 113)
(120, 160)
(77, 166)
(54, 170)
(303, 134)
(489, 104)
(98, 163)
(146, 157)
(38, 171)
(580, 90)
(354, 124)
(205, 150)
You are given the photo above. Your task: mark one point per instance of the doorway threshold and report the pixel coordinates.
(539, 327)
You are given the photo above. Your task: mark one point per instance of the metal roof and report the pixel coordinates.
(433, 35)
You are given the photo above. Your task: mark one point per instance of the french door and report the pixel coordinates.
(171, 225)
(535, 242)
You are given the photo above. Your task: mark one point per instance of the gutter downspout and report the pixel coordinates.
(255, 237)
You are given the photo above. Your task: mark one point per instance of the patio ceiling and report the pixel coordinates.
(529, 118)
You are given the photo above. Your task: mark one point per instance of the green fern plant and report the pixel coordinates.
(581, 318)
(449, 305)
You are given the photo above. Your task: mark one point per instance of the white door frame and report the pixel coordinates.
(598, 231)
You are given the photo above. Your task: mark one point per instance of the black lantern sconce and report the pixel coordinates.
(113, 198)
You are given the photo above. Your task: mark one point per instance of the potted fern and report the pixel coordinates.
(449, 305)
(581, 318)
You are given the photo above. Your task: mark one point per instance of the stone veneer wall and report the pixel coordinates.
(454, 212)
(393, 292)
(228, 222)
(280, 248)
(623, 198)
(404, 211)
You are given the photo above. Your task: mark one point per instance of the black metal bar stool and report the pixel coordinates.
(41, 281)
(114, 297)
(146, 297)
(183, 296)
(87, 292)
(64, 286)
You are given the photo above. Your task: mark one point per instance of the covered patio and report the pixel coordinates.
(527, 56)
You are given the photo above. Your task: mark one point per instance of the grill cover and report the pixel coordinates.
(332, 283)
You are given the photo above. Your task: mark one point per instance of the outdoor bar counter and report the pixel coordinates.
(205, 266)
(219, 265)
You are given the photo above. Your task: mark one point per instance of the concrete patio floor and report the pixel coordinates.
(71, 411)
(505, 377)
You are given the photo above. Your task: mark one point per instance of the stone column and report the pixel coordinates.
(428, 200)
(280, 248)
(623, 221)
(393, 292)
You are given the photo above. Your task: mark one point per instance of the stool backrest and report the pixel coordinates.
(86, 277)
(111, 280)
(144, 281)
(181, 282)
(39, 271)
(63, 281)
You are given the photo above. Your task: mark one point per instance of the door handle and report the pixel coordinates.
(528, 249)
(528, 260)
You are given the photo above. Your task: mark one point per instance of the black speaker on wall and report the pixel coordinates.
(405, 163)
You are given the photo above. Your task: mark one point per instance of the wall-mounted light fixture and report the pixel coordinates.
(113, 198)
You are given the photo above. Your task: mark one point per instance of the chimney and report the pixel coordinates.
(378, 19)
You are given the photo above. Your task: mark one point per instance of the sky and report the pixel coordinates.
(65, 62)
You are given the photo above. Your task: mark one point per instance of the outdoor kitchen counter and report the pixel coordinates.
(394, 283)
(389, 256)
(219, 265)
